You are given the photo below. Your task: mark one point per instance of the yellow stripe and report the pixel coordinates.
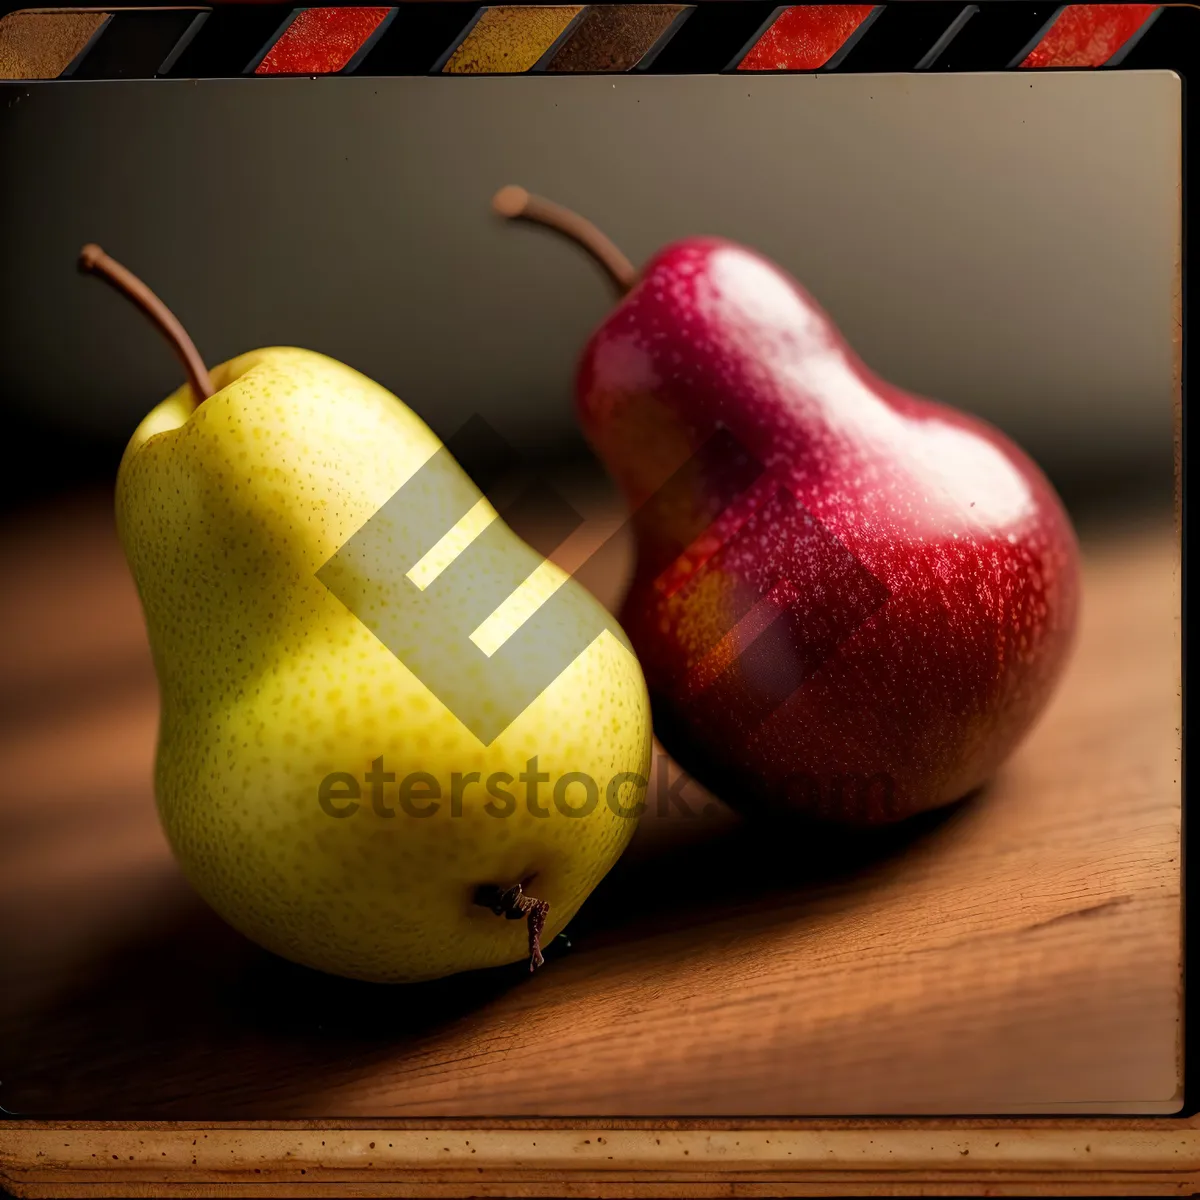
(42, 45)
(509, 39)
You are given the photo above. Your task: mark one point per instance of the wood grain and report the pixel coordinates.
(1096, 1158)
(1018, 953)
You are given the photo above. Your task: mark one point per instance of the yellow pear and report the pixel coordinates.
(353, 768)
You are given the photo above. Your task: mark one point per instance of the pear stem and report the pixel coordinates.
(516, 203)
(93, 261)
(515, 904)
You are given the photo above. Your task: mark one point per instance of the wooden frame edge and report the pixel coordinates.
(1092, 1157)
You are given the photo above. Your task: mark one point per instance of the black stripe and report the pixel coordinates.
(182, 44)
(901, 36)
(952, 31)
(228, 40)
(417, 38)
(711, 37)
(993, 37)
(134, 45)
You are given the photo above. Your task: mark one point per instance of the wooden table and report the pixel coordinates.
(1019, 953)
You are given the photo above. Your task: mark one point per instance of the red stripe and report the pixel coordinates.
(1088, 35)
(805, 37)
(321, 41)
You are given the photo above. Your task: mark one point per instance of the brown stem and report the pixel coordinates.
(516, 203)
(515, 904)
(93, 261)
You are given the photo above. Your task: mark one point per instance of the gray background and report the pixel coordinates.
(1006, 243)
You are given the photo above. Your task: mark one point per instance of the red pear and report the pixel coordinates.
(849, 602)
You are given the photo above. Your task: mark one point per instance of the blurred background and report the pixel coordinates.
(1007, 244)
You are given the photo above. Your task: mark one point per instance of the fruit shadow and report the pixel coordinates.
(184, 1019)
(697, 862)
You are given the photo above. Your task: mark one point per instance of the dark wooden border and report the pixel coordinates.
(1076, 1157)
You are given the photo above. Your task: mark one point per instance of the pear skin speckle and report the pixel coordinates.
(270, 684)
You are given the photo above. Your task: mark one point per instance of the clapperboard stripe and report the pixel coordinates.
(322, 41)
(509, 39)
(807, 37)
(451, 38)
(616, 37)
(140, 43)
(1091, 35)
(905, 37)
(47, 45)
